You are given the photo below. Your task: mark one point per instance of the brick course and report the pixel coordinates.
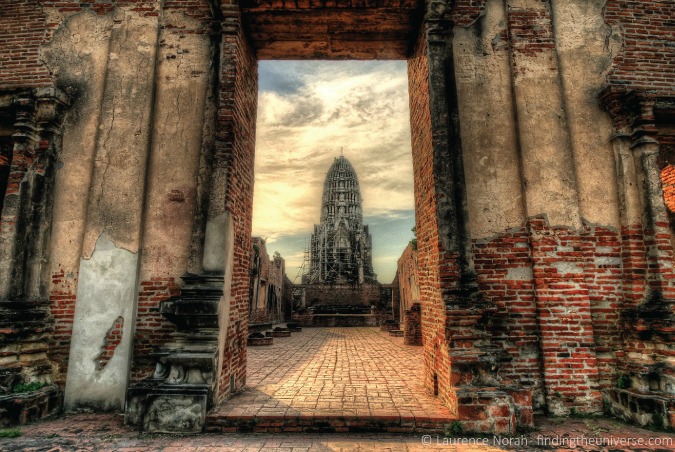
(647, 58)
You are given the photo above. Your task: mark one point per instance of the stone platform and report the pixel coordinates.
(333, 380)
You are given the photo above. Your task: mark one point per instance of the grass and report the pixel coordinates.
(10, 433)
(28, 387)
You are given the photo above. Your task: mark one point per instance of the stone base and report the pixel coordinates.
(19, 409)
(278, 333)
(389, 326)
(256, 341)
(396, 333)
(296, 423)
(654, 409)
(342, 320)
(496, 411)
(155, 407)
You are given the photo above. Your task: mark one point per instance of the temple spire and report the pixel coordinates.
(341, 245)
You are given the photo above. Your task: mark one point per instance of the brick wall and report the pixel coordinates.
(412, 330)
(62, 305)
(504, 268)
(22, 29)
(437, 269)
(466, 12)
(26, 24)
(668, 178)
(235, 137)
(409, 289)
(647, 59)
(112, 339)
(152, 328)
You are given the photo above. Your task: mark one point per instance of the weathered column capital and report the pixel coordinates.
(646, 145)
(52, 104)
(24, 118)
(633, 112)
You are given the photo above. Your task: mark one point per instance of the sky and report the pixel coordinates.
(308, 113)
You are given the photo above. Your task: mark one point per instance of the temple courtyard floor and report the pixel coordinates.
(333, 379)
(304, 390)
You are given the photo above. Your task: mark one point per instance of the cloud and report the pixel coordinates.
(307, 112)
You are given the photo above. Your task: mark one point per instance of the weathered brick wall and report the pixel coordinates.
(668, 178)
(152, 328)
(409, 290)
(62, 305)
(35, 28)
(235, 136)
(26, 25)
(396, 300)
(412, 329)
(22, 29)
(647, 59)
(504, 268)
(437, 269)
(183, 72)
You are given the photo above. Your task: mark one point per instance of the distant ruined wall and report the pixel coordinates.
(341, 294)
(408, 287)
(267, 285)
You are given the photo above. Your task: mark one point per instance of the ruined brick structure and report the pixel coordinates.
(540, 129)
(409, 296)
(268, 277)
(409, 289)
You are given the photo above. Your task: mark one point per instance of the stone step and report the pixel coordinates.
(256, 341)
(22, 408)
(319, 423)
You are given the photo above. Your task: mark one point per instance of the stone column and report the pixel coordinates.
(25, 225)
(24, 235)
(647, 248)
(656, 224)
(15, 213)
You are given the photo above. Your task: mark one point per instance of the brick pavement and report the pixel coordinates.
(333, 379)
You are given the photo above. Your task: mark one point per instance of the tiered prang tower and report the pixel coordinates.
(341, 246)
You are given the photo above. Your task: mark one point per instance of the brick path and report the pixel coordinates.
(333, 379)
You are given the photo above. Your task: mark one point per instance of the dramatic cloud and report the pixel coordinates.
(308, 112)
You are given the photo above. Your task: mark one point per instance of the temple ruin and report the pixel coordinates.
(339, 286)
(341, 246)
(540, 133)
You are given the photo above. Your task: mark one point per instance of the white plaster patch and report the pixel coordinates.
(107, 290)
(519, 274)
(567, 267)
(214, 244)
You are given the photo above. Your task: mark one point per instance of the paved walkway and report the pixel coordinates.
(104, 432)
(336, 371)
